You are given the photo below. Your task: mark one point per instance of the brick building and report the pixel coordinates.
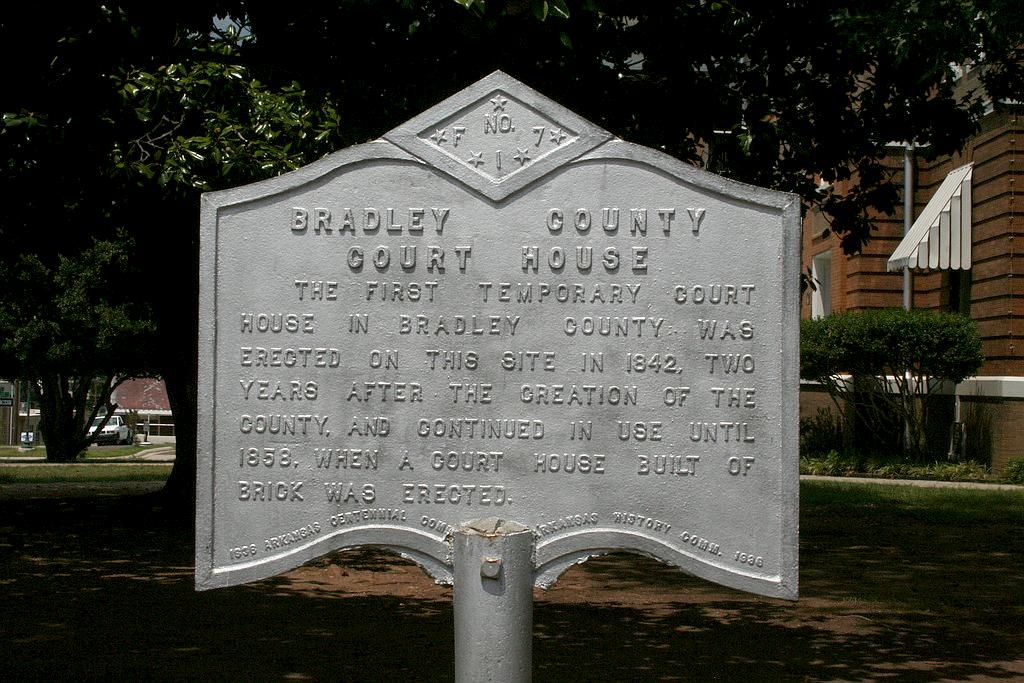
(980, 276)
(148, 397)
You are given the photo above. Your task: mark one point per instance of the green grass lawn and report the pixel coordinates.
(43, 473)
(15, 452)
(894, 505)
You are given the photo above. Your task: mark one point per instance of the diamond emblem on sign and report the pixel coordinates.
(497, 136)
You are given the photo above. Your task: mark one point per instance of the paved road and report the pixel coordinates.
(158, 454)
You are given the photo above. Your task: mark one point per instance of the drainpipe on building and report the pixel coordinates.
(908, 212)
(908, 222)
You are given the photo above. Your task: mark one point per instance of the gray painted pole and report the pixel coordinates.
(908, 223)
(493, 596)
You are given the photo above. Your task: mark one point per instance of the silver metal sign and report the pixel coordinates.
(499, 309)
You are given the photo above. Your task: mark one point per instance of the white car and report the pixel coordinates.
(115, 431)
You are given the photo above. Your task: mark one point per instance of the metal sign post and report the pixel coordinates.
(493, 601)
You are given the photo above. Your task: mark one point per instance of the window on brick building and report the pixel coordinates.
(960, 291)
(821, 296)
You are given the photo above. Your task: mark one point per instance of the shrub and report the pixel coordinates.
(883, 368)
(831, 464)
(966, 470)
(821, 433)
(843, 465)
(1014, 471)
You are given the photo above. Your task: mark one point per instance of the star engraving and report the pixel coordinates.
(439, 136)
(499, 103)
(476, 159)
(557, 136)
(522, 156)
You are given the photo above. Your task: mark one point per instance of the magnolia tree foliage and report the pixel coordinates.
(204, 124)
(208, 123)
(887, 367)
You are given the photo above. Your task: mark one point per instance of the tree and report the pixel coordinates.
(885, 368)
(125, 119)
(201, 124)
(118, 115)
(75, 331)
(800, 96)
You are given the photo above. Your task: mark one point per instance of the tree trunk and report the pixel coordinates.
(177, 315)
(59, 422)
(182, 385)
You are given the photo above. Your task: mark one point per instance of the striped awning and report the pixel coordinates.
(941, 236)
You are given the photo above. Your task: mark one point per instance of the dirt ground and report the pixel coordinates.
(101, 588)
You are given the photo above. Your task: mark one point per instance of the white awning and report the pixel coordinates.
(941, 235)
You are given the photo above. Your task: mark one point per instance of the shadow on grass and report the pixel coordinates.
(102, 589)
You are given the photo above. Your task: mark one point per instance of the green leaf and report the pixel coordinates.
(559, 8)
(566, 40)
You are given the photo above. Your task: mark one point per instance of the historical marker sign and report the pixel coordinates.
(498, 309)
